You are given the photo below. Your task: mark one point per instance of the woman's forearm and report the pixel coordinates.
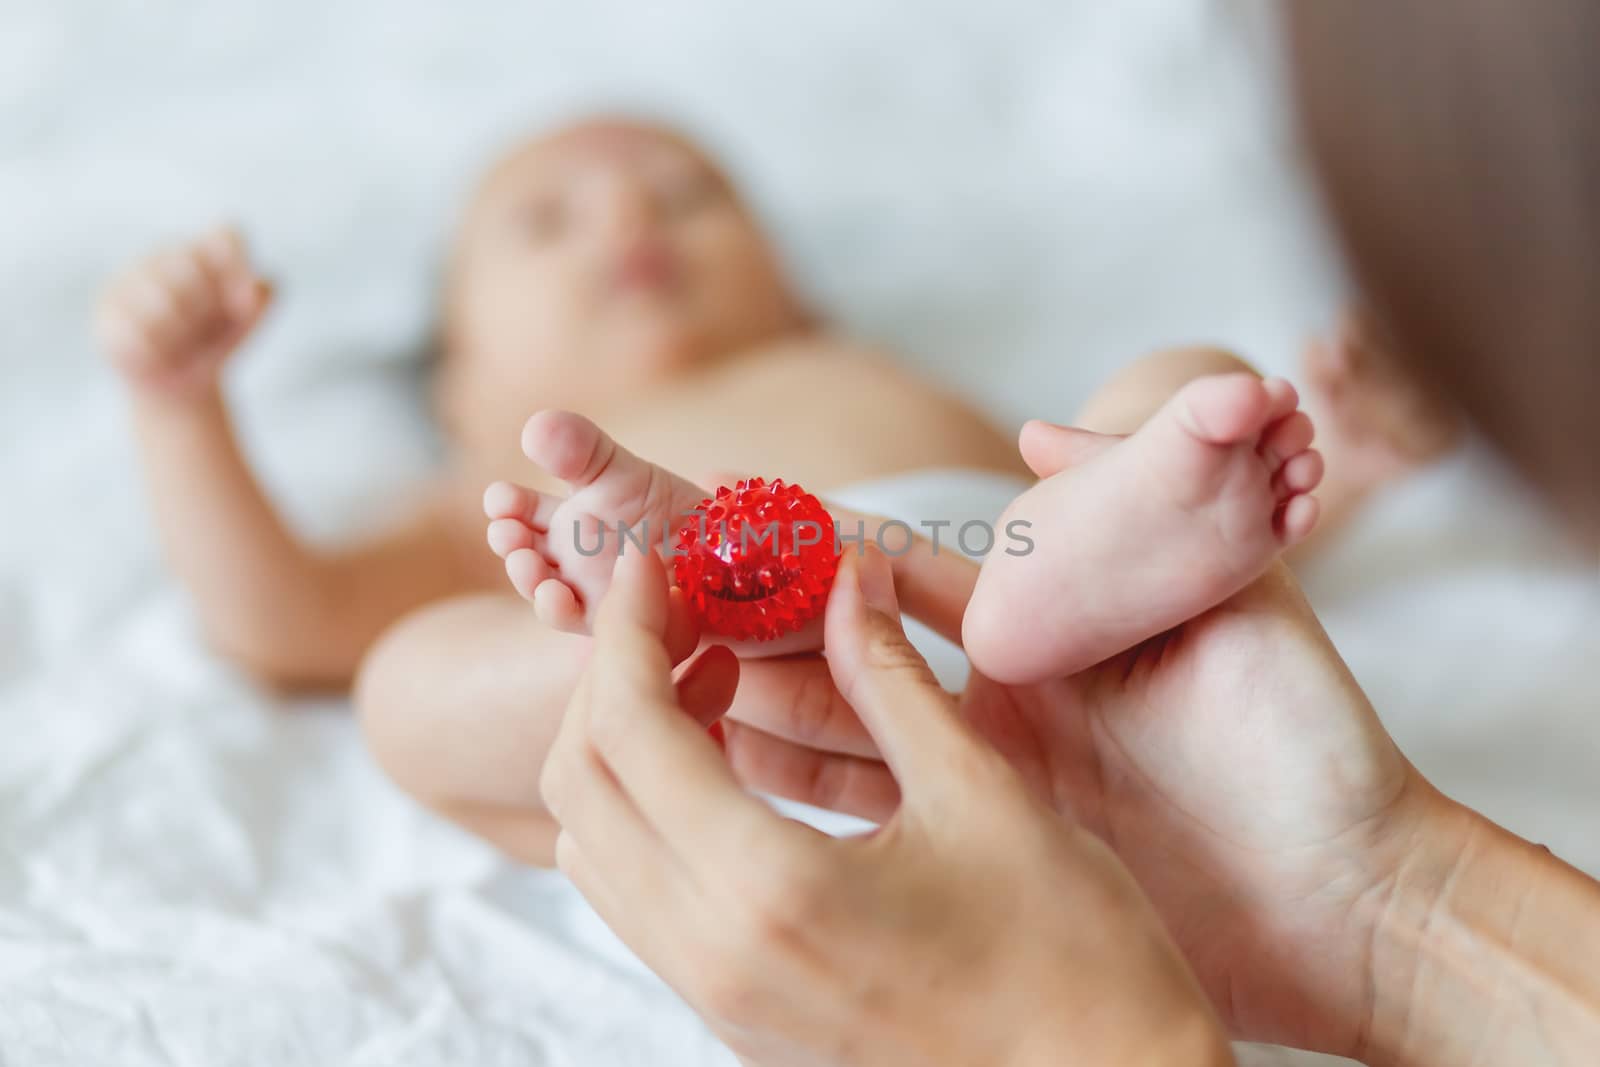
(1487, 951)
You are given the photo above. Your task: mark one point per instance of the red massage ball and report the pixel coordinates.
(758, 561)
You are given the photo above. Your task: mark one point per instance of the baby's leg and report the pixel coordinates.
(460, 702)
(1133, 535)
(1129, 397)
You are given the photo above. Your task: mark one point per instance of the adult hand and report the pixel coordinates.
(975, 926)
(1233, 764)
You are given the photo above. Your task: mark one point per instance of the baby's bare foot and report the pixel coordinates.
(559, 551)
(1144, 532)
(1377, 422)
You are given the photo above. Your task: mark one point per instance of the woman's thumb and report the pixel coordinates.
(911, 718)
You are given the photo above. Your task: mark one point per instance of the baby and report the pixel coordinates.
(610, 268)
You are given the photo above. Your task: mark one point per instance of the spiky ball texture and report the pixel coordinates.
(758, 563)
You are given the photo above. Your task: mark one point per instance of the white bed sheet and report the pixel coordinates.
(1019, 196)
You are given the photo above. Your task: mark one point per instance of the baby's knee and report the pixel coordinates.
(384, 697)
(522, 834)
(372, 699)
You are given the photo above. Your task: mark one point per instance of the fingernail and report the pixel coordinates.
(876, 579)
(718, 735)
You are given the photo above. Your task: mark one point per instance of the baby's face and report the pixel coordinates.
(607, 254)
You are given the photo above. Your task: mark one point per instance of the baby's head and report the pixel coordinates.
(608, 254)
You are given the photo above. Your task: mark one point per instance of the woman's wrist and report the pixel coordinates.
(1484, 950)
(1193, 1039)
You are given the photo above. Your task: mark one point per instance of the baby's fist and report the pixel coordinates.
(171, 321)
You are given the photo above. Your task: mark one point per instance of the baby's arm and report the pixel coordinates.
(287, 612)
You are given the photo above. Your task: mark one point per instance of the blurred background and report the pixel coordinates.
(1018, 197)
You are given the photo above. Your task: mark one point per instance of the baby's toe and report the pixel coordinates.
(507, 500)
(1300, 474)
(528, 571)
(1296, 519)
(1286, 438)
(1282, 398)
(567, 445)
(503, 500)
(506, 536)
(556, 605)
(1223, 409)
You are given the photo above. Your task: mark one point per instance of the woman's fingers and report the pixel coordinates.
(591, 806)
(776, 765)
(656, 929)
(586, 799)
(682, 636)
(706, 686)
(794, 699)
(933, 584)
(930, 750)
(661, 757)
(617, 837)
